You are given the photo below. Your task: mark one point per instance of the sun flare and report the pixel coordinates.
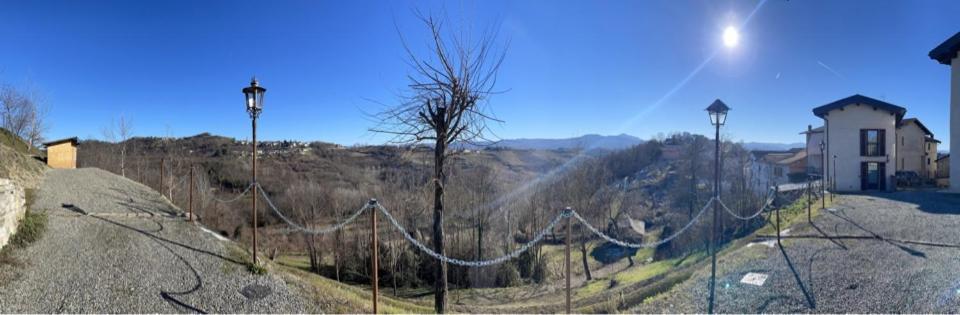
(731, 37)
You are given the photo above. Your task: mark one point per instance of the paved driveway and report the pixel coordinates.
(130, 253)
(887, 253)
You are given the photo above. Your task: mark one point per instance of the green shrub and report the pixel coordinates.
(257, 269)
(540, 271)
(30, 230)
(507, 275)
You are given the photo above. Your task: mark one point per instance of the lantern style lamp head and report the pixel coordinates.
(823, 145)
(718, 113)
(254, 98)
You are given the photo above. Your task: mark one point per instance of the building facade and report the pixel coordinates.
(815, 161)
(861, 133)
(947, 53)
(916, 149)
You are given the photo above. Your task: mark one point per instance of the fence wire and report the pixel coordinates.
(477, 263)
(768, 201)
(301, 228)
(568, 213)
(644, 245)
(234, 198)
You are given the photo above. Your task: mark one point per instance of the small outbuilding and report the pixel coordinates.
(62, 153)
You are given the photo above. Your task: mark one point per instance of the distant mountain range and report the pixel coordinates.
(601, 142)
(590, 142)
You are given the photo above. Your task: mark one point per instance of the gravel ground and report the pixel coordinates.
(133, 253)
(882, 253)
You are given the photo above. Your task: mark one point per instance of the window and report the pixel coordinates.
(778, 171)
(872, 142)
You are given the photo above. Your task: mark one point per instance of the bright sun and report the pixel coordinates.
(731, 37)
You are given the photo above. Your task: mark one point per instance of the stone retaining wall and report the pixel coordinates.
(12, 208)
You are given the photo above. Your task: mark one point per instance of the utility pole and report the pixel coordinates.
(190, 201)
(375, 281)
(809, 200)
(161, 176)
(776, 193)
(568, 211)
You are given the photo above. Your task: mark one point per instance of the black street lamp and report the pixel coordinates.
(718, 116)
(254, 103)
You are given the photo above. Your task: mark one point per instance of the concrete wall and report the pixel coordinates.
(911, 149)
(62, 155)
(931, 151)
(843, 140)
(12, 208)
(955, 123)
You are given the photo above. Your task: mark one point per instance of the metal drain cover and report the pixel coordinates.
(255, 291)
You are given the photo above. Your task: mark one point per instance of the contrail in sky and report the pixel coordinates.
(825, 66)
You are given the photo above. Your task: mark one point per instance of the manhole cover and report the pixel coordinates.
(255, 291)
(753, 278)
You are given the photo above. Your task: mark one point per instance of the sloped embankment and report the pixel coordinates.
(16, 162)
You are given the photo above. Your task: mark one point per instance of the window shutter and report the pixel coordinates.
(882, 142)
(863, 142)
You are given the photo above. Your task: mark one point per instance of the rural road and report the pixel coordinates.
(884, 253)
(130, 253)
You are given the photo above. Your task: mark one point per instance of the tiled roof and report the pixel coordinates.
(946, 51)
(860, 99)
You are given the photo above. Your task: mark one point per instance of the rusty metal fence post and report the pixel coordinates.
(776, 193)
(567, 213)
(190, 200)
(161, 177)
(375, 281)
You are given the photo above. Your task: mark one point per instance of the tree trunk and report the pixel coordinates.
(336, 256)
(583, 256)
(440, 284)
(479, 240)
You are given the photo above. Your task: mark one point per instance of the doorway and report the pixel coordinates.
(872, 175)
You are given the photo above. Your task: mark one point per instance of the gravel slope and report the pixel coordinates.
(133, 253)
(865, 257)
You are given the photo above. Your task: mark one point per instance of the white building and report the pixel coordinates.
(916, 149)
(860, 133)
(946, 53)
(774, 168)
(814, 137)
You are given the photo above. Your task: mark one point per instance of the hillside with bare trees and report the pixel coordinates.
(498, 197)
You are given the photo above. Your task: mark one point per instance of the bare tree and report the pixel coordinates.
(125, 131)
(449, 90)
(23, 114)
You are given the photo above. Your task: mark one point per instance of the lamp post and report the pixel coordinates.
(254, 102)
(718, 116)
(823, 178)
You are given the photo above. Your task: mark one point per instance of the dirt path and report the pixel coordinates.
(115, 246)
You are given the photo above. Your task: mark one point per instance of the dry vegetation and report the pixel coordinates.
(318, 184)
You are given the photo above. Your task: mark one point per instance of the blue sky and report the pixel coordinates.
(572, 67)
